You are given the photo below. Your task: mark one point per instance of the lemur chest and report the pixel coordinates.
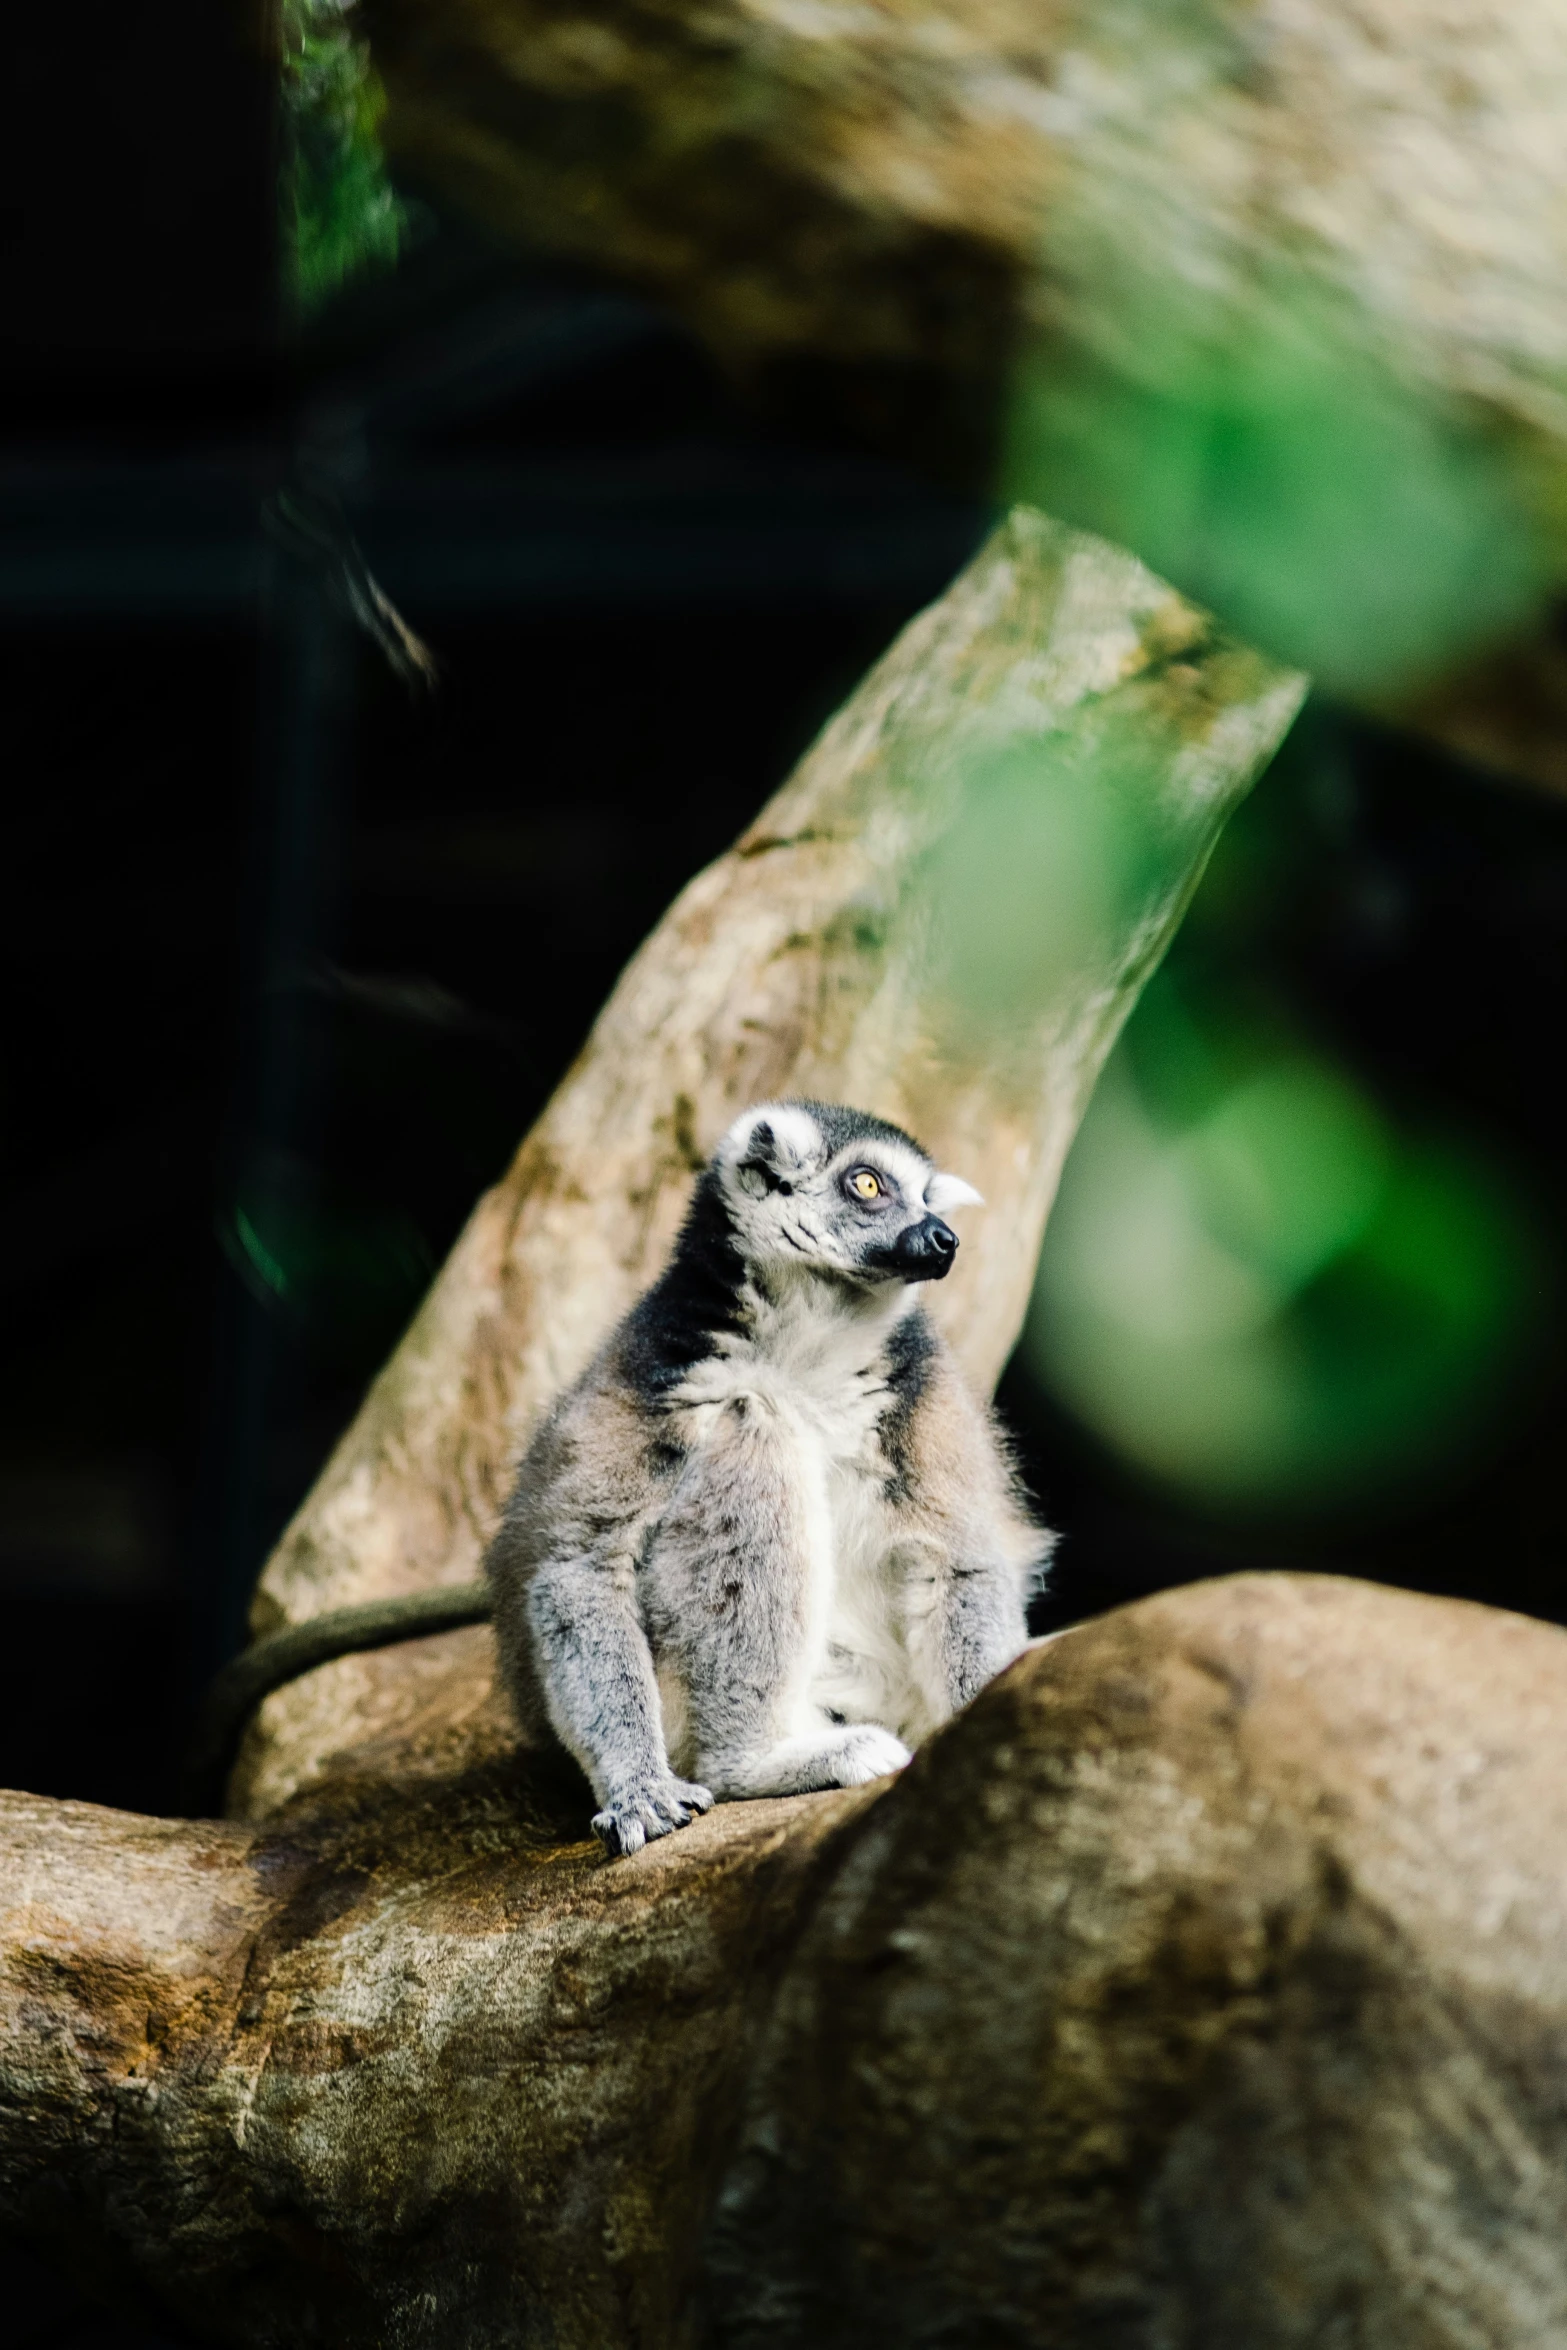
(806, 1413)
(818, 1390)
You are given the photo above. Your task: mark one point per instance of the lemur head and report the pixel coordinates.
(810, 1185)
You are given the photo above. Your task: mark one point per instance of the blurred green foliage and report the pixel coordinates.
(1285, 1299)
(340, 213)
(1085, 785)
(1262, 1287)
(1244, 434)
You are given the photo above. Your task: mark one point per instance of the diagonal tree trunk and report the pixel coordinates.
(944, 917)
(395, 2056)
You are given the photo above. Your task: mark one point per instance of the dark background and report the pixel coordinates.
(292, 957)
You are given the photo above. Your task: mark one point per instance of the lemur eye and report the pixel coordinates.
(864, 1185)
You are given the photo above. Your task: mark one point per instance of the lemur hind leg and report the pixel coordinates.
(738, 1590)
(597, 1681)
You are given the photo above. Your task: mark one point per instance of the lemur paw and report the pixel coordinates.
(867, 1752)
(654, 1808)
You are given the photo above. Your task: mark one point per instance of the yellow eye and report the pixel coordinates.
(864, 1185)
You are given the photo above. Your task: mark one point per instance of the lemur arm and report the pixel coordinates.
(984, 1554)
(981, 1625)
(595, 1671)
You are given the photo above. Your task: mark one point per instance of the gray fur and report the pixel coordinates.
(769, 1540)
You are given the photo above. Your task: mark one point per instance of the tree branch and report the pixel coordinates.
(918, 923)
(1203, 1982)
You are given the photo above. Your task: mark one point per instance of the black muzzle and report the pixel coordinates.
(925, 1252)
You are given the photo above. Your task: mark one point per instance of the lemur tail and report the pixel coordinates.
(235, 1692)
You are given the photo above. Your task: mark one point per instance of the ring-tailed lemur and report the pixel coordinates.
(769, 1539)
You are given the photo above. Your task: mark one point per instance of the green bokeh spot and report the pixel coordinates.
(1255, 449)
(1056, 852)
(348, 1272)
(1261, 1292)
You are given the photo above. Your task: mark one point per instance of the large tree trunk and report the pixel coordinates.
(1203, 1985)
(398, 2057)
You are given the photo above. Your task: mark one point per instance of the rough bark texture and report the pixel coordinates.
(1206, 1985)
(815, 958)
(1203, 1985)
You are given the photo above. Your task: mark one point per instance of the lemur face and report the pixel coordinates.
(814, 1186)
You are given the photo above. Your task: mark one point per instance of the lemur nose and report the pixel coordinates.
(927, 1249)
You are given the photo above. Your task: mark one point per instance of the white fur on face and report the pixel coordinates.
(796, 1214)
(797, 1142)
(909, 1169)
(776, 1226)
(777, 1135)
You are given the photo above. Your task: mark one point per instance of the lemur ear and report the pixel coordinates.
(785, 1139)
(943, 1193)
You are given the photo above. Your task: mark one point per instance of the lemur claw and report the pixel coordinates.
(641, 1814)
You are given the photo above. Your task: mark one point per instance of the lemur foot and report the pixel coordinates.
(802, 1765)
(655, 1807)
(866, 1752)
